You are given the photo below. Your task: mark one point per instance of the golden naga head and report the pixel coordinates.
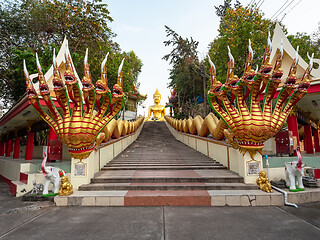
(231, 83)
(86, 80)
(305, 82)
(277, 71)
(57, 82)
(216, 86)
(31, 92)
(69, 75)
(44, 89)
(102, 83)
(157, 97)
(249, 73)
(252, 122)
(266, 67)
(292, 78)
(117, 91)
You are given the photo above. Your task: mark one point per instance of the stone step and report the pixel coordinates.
(155, 164)
(165, 186)
(167, 180)
(144, 158)
(158, 170)
(217, 198)
(161, 167)
(168, 159)
(164, 162)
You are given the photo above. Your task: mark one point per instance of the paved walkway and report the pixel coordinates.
(20, 220)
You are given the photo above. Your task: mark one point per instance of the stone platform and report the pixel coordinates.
(186, 198)
(159, 170)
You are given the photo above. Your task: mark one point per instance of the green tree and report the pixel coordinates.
(222, 9)
(185, 74)
(30, 26)
(306, 45)
(238, 25)
(131, 69)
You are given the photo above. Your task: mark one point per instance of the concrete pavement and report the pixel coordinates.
(20, 220)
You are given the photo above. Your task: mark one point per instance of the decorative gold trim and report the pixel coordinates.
(252, 151)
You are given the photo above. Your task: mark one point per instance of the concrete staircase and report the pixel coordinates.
(157, 161)
(159, 170)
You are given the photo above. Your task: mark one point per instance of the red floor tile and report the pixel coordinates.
(169, 184)
(167, 198)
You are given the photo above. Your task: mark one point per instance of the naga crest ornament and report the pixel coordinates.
(249, 121)
(85, 112)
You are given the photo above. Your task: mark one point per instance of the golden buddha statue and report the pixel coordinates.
(157, 110)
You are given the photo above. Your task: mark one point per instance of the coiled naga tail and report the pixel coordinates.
(250, 123)
(78, 126)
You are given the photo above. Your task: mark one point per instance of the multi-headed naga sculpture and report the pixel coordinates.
(244, 121)
(249, 122)
(78, 126)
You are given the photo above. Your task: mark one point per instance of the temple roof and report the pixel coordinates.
(22, 113)
(289, 55)
(310, 103)
(60, 59)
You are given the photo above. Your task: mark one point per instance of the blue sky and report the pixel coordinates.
(139, 25)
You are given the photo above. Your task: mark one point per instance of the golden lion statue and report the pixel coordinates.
(65, 187)
(263, 182)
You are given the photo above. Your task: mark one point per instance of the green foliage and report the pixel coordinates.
(30, 26)
(185, 73)
(221, 10)
(238, 25)
(131, 69)
(306, 45)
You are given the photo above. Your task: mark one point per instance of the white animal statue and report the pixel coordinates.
(37, 188)
(52, 175)
(294, 171)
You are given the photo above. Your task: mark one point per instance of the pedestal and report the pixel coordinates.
(251, 167)
(83, 171)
